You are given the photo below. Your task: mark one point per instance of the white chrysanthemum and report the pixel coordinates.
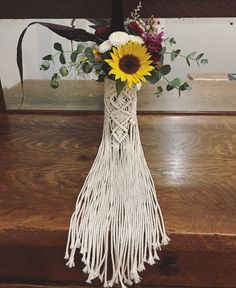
(136, 39)
(119, 38)
(104, 46)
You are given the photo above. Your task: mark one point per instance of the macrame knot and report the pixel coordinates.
(117, 220)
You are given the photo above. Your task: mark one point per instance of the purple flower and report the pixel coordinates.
(154, 42)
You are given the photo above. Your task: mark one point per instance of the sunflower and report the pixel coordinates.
(130, 63)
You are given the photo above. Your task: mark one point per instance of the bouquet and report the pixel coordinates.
(133, 56)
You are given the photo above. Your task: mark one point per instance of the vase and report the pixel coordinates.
(117, 224)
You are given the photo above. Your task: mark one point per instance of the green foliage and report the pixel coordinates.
(58, 47)
(165, 69)
(64, 71)
(62, 58)
(191, 55)
(161, 60)
(74, 55)
(80, 48)
(45, 66)
(55, 80)
(48, 57)
(176, 82)
(88, 52)
(172, 41)
(163, 50)
(159, 91)
(98, 65)
(204, 61)
(188, 62)
(174, 54)
(119, 86)
(199, 56)
(155, 77)
(86, 67)
(183, 87)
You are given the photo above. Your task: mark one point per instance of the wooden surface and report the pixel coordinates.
(205, 96)
(209, 76)
(84, 9)
(44, 160)
(8, 285)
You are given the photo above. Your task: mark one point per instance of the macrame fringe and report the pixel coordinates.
(117, 220)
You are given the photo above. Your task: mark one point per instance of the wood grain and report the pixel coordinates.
(46, 265)
(44, 160)
(205, 96)
(83, 9)
(11, 285)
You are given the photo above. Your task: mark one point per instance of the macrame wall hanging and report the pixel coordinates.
(117, 224)
(117, 220)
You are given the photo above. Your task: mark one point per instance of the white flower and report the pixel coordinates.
(138, 86)
(136, 39)
(104, 46)
(119, 38)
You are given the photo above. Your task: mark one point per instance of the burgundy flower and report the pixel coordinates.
(135, 28)
(154, 42)
(102, 32)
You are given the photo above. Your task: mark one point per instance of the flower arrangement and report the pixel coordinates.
(117, 218)
(133, 56)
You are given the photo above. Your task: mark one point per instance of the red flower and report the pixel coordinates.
(102, 31)
(135, 28)
(154, 42)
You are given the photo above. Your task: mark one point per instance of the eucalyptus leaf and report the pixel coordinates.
(45, 65)
(48, 57)
(54, 84)
(155, 77)
(199, 56)
(55, 80)
(74, 55)
(119, 86)
(169, 87)
(62, 58)
(159, 91)
(176, 82)
(161, 60)
(64, 71)
(86, 67)
(88, 52)
(172, 41)
(192, 54)
(58, 47)
(98, 65)
(204, 61)
(174, 54)
(165, 69)
(80, 48)
(188, 62)
(184, 86)
(55, 75)
(163, 50)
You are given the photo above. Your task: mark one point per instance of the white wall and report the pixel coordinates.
(214, 36)
(38, 42)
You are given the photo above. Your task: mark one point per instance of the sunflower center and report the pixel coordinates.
(129, 64)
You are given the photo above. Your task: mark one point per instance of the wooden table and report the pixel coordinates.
(210, 96)
(44, 159)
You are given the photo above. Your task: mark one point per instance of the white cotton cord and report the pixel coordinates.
(117, 224)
